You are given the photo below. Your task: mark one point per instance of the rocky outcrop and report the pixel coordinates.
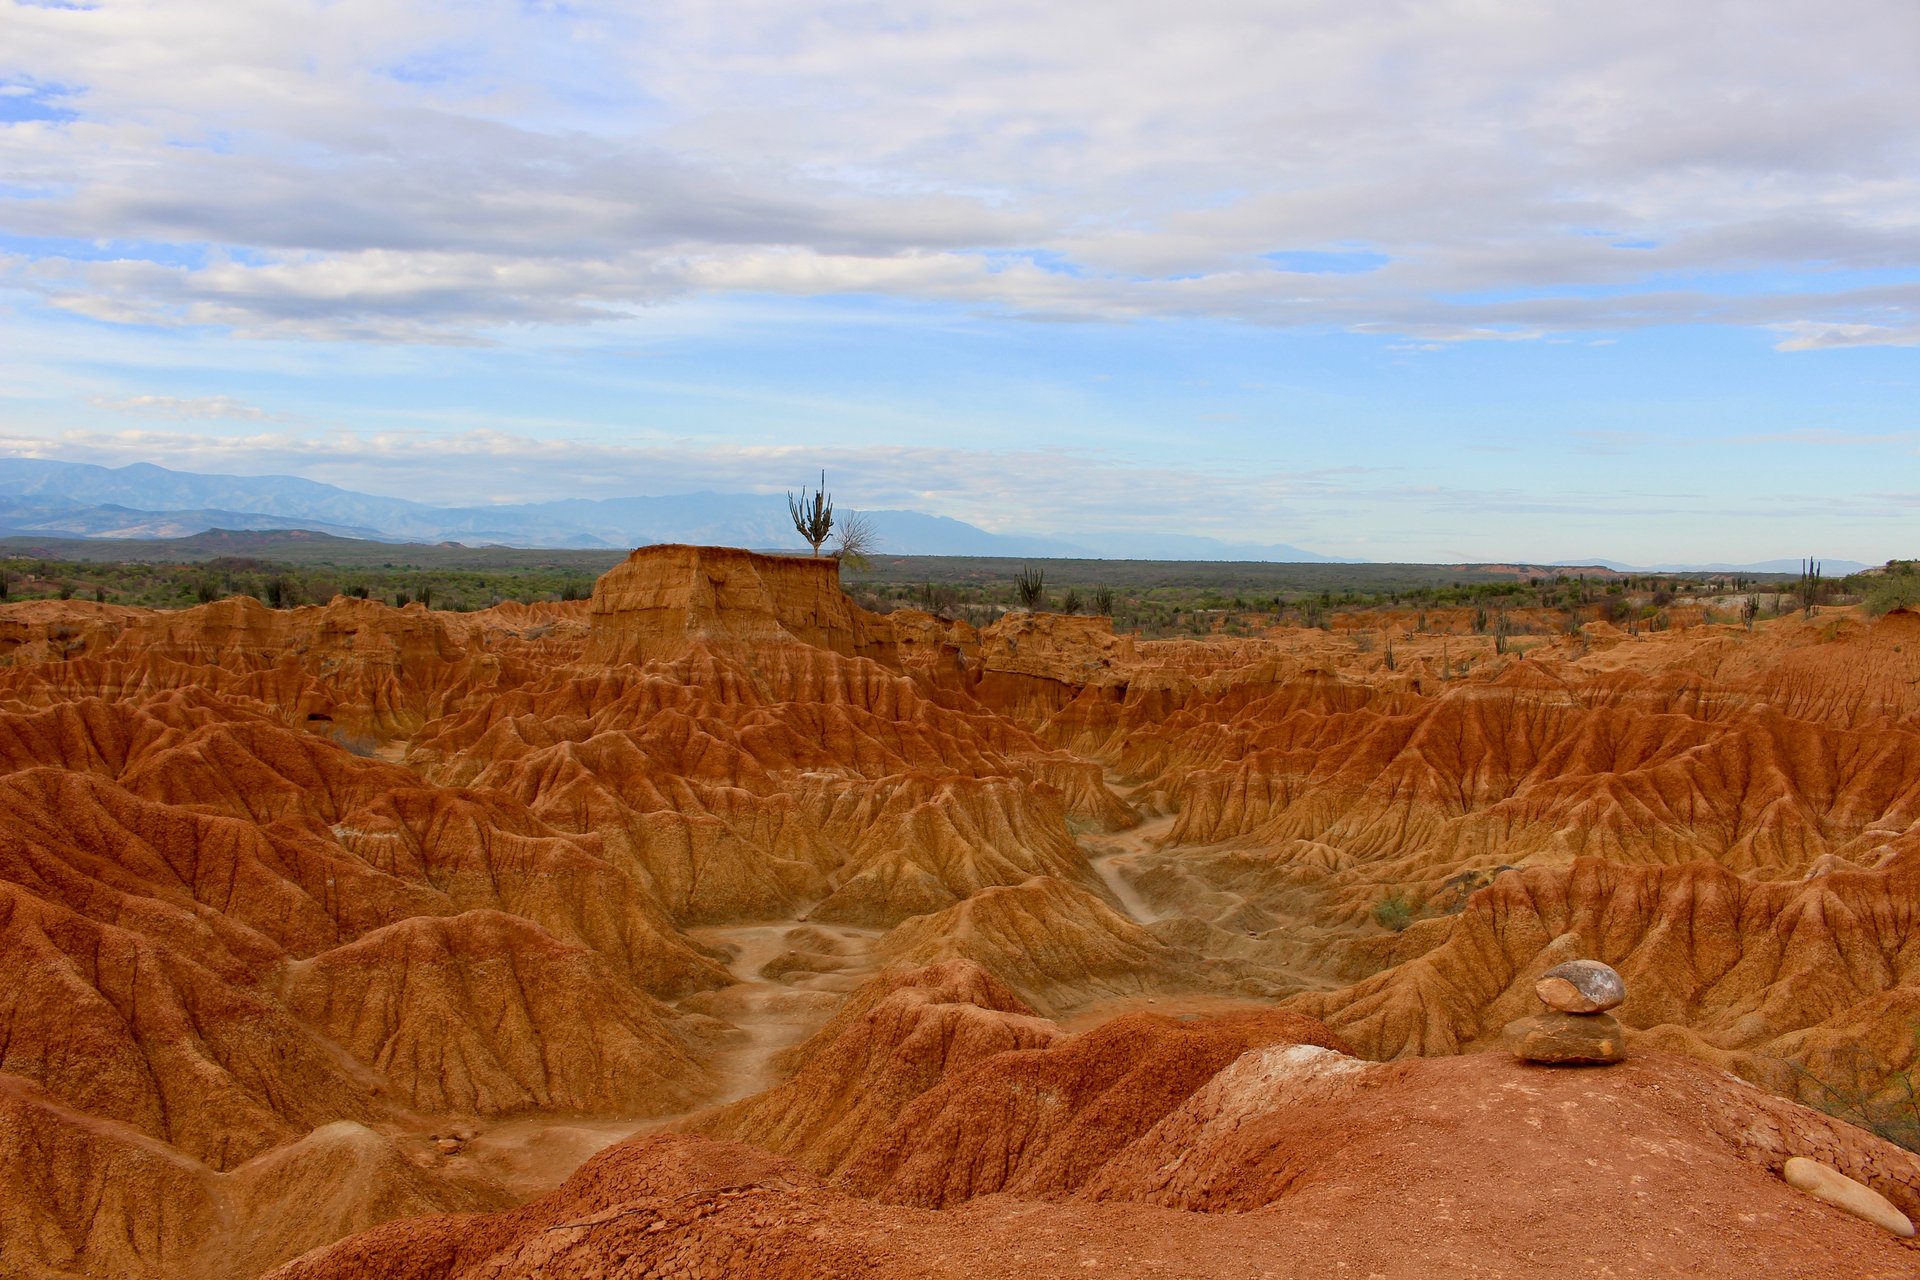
(1394, 1169)
(897, 1038)
(1045, 1121)
(665, 598)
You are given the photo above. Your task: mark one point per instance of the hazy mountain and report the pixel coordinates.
(40, 496)
(1831, 568)
(145, 487)
(28, 517)
(1184, 546)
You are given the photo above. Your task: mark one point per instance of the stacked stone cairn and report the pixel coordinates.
(1577, 1029)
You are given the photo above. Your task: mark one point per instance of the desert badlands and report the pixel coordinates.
(714, 927)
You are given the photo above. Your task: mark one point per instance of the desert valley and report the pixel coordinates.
(715, 926)
(951, 641)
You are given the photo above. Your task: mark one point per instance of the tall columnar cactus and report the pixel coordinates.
(812, 514)
(1031, 586)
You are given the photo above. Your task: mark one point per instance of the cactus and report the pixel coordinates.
(1031, 586)
(812, 514)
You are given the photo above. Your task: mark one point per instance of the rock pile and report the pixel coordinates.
(1577, 1027)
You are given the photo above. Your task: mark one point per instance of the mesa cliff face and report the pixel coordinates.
(324, 916)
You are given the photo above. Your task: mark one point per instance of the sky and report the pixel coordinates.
(1398, 279)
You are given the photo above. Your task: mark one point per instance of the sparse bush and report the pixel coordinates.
(1070, 603)
(937, 599)
(1102, 601)
(858, 539)
(1897, 588)
(1859, 1086)
(1031, 587)
(1393, 911)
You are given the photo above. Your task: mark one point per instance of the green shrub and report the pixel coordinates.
(1393, 912)
(1898, 588)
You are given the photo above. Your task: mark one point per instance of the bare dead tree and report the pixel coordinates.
(858, 540)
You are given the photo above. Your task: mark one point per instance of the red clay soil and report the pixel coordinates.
(1296, 1162)
(290, 898)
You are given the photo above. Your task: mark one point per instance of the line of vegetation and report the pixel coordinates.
(280, 584)
(1897, 586)
(1149, 598)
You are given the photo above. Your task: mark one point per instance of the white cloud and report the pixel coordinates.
(1822, 335)
(195, 407)
(413, 170)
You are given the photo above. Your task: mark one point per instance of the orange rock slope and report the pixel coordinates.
(324, 916)
(1220, 1147)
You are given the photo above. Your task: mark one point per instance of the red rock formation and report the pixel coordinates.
(1740, 972)
(1043, 1122)
(897, 1038)
(283, 894)
(665, 598)
(1654, 1167)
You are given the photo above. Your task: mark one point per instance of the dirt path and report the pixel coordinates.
(819, 965)
(1112, 855)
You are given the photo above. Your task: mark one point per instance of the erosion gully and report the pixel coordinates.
(772, 1007)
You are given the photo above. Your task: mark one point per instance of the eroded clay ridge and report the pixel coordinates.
(319, 917)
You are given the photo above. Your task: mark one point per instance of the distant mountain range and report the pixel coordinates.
(41, 497)
(1830, 568)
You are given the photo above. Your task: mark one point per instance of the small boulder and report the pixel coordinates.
(1568, 1038)
(448, 1146)
(1842, 1192)
(1581, 986)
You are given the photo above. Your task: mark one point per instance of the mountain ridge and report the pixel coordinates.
(41, 496)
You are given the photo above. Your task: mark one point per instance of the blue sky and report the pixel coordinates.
(1463, 279)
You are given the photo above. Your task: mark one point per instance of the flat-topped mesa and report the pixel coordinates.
(659, 601)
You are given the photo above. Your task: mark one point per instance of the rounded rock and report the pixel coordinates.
(1581, 986)
(1842, 1192)
(1568, 1039)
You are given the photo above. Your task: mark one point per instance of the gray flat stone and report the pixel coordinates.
(1581, 986)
